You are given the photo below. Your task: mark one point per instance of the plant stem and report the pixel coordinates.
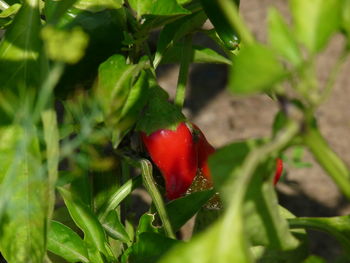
(328, 159)
(231, 11)
(186, 58)
(333, 75)
(47, 88)
(146, 169)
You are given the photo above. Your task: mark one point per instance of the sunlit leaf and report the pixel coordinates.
(157, 7)
(315, 21)
(20, 59)
(282, 39)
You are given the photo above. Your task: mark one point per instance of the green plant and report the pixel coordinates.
(79, 84)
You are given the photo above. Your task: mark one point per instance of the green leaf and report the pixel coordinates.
(150, 248)
(85, 219)
(98, 5)
(115, 228)
(118, 196)
(116, 78)
(200, 55)
(146, 225)
(23, 196)
(64, 242)
(315, 21)
(222, 242)
(157, 7)
(282, 39)
(12, 10)
(136, 100)
(256, 69)
(159, 113)
(63, 45)
(20, 58)
(182, 209)
(338, 227)
(54, 10)
(173, 32)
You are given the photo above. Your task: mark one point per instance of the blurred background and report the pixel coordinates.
(223, 117)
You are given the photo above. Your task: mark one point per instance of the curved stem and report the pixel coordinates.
(186, 58)
(146, 169)
(328, 159)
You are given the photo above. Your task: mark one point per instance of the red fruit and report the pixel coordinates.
(279, 170)
(174, 153)
(204, 150)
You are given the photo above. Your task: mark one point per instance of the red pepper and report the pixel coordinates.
(279, 170)
(180, 154)
(174, 153)
(204, 150)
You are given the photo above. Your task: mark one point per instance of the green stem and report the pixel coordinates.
(231, 11)
(150, 185)
(47, 88)
(324, 225)
(328, 159)
(333, 75)
(186, 58)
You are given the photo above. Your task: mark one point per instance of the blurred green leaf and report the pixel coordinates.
(182, 209)
(63, 45)
(85, 219)
(256, 69)
(222, 242)
(64, 242)
(150, 247)
(10, 11)
(282, 39)
(200, 55)
(23, 196)
(264, 224)
(159, 113)
(135, 102)
(20, 57)
(314, 259)
(114, 227)
(338, 227)
(98, 5)
(315, 21)
(173, 32)
(157, 7)
(51, 137)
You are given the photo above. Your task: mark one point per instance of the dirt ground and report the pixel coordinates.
(225, 118)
